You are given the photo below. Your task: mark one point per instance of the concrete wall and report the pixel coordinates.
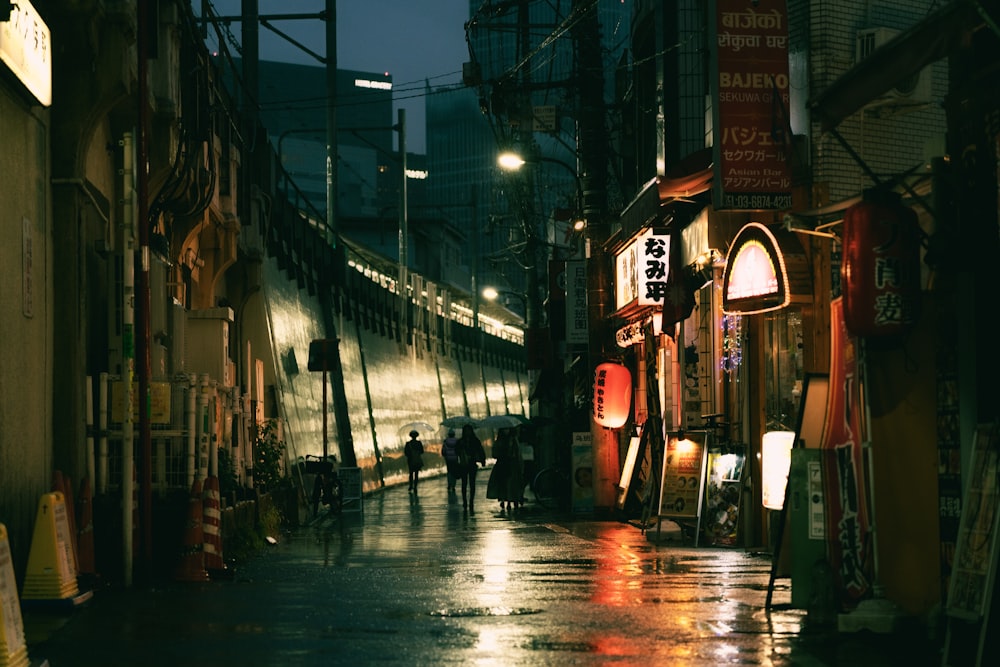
(26, 314)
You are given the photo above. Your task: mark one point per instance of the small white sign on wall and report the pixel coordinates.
(27, 250)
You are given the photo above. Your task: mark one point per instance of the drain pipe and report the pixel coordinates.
(102, 434)
(90, 432)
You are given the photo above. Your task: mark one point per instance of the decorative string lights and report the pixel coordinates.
(732, 343)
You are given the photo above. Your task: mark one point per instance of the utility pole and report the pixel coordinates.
(592, 148)
(533, 256)
(404, 232)
(331, 122)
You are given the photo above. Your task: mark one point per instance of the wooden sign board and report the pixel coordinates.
(682, 482)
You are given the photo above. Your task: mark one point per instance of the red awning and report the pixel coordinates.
(937, 36)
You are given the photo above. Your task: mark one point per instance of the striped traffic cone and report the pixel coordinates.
(13, 649)
(212, 518)
(61, 483)
(192, 561)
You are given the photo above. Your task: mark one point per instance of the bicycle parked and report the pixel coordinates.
(327, 488)
(551, 488)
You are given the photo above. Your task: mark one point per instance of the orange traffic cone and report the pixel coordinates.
(85, 536)
(192, 561)
(211, 526)
(61, 483)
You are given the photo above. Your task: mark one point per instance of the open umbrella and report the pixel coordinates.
(459, 422)
(502, 421)
(423, 429)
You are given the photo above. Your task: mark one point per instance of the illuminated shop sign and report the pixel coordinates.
(26, 48)
(368, 83)
(750, 114)
(641, 271)
(765, 271)
(635, 332)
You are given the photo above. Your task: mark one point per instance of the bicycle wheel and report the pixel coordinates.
(549, 487)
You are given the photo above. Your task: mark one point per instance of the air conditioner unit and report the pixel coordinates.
(915, 89)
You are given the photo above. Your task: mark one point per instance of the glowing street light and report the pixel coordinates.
(492, 294)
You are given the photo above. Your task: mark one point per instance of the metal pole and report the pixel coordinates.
(331, 123)
(403, 215)
(593, 150)
(326, 446)
(142, 288)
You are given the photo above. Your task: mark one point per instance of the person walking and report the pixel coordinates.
(506, 482)
(470, 452)
(449, 451)
(413, 450)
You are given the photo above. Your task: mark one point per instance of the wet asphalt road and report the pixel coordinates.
(419, 581)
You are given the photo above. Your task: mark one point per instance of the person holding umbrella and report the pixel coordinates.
(413, 450)
(449, 451)
(470, 451)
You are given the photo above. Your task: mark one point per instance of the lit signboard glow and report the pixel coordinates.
(754, 273)
(368, 83)
(641, 271)
(26, 48)
(765, 270)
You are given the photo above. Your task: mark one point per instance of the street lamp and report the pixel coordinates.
(492, 294)
(512, 161)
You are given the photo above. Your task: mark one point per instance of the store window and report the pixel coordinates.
(783, 373)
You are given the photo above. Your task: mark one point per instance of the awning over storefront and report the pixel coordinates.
(691, 177)
(934, 38)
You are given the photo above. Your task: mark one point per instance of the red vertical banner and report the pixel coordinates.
(848, 525)
(750, 104)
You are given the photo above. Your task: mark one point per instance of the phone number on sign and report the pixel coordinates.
(758, 201)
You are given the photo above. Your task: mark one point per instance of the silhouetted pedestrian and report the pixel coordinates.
(470, 452)
(506, 482)
(413, 450)
(449, 451)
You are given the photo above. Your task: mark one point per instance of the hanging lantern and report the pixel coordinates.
(612, 395)
(880, 270)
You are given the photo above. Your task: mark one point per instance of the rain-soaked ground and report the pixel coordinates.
(419, 581)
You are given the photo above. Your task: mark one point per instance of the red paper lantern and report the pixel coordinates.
(880, 272)
(612, 395)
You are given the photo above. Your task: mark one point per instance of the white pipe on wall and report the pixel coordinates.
(214, 406)
(192, 420)
(203, 433)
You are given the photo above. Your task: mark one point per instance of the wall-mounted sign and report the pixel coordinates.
(880, 270)
(750, 110)
(26, 48)
(765, 270)
(642, 269)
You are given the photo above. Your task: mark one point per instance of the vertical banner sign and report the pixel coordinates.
(654, 269)
(576, 302)
(848, 525)
(750, 113)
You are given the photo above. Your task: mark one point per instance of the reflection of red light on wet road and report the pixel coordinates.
(619, 570)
